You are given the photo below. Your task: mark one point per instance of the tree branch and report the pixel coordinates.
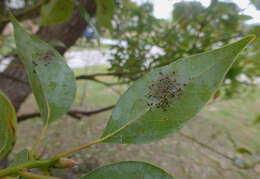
(77, 114)
(81, 77)
(27, 13)
(119, 74)
(89, 113)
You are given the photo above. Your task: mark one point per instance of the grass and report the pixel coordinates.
(217, 125)
(88, 44)
(96, 94)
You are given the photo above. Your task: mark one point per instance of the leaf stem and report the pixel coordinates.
(65, 154)
(51, 162)
(36, 145)
(35, 176)
(27, 165)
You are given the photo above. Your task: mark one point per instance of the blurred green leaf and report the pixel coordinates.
(128, 170)
(8, 124)
(245, 17)
(257, 120)
(105, 12)
(52, 81)
(56, 11)
(21, 157)
(147, 42)
(243, 150)
(161, 102)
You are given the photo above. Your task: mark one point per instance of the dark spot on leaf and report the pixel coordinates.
(47, 57)
(163, 90)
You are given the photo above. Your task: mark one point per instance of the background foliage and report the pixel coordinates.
(193, 29)
(144, 43)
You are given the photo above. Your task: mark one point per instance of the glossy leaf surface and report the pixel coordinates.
(51, 80)
(160, 103)
(128, 170)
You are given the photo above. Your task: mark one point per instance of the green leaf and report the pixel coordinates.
(243, 150)
(244, 17)
(56, 11)
(52, 81)
(160, 103)
(21, 157)
(8, 124)
(257, 120)
(105, 12)
(128, 170)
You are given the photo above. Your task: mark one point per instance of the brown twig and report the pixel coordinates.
(119, 74)
(77, 114)
(89, 113)
(82, 77)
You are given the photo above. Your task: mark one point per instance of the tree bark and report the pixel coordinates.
(13, 81)
(2, 12)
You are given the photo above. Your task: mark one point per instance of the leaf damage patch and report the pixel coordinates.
(163, 90)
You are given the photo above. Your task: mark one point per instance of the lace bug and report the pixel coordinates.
(163, 90)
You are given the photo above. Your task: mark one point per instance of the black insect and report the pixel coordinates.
(163, 90)
(46, 57)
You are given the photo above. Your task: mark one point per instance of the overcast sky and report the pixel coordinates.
(163, 8)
